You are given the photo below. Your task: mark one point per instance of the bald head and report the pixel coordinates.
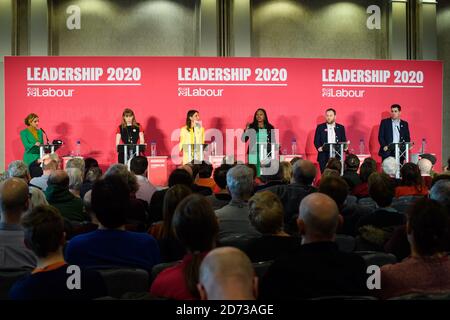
(59, 178)
(318, 217)
(14, 196)
(425, 166)
(227, 273)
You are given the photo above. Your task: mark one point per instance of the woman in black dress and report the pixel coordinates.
(129, 132)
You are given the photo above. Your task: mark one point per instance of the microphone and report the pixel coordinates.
(46, 137)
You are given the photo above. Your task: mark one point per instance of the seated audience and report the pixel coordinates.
(266, 215)
(227, 274)
(196, 227)
(89, 163)
(170, 247)
(76, 163)
(75, 181)
(304, 173)
(425, 168)
(233, 218)
(271, 176)
(92, 175)
(412, 183)
(351, 166)
(111, 244)
(139, 166)
(362, 190)
(18, 169)
(286, 172)
(14, 203)
(427, 270)
(59, 196)
(377, 227)
(51, 280)
(222, 196)
(317, 268)
(49, 164)
(204, 179)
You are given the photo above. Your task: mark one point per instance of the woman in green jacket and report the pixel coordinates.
(31, 139)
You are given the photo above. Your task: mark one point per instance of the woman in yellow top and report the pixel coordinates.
(191, 134)
(31, 139)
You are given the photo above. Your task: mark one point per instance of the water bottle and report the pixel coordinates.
(361, 146)
(424, 144)
(77, 151)
(153, 149)
(213, 148)
(294, 146)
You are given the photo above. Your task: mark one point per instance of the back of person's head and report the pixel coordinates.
(336, 188)
(88, 164)
(110, 200)
(411, 175)
(266, 212)
(428, 224)
(139, 165)
(75, 178)
(334, 164)
(93, 174)
(120, 170)
(195, 169)
(366, 170)
(76, 163)
(49, 163)
(389, 166)
(14, 196)
(44, 230)
(240, 181)
(294, 160)
(330, 173)
(286, 171)
(425, 166)
(440, 192)
(227, 274)
(318, 218)
(172, 198)
(351, 162)
(196, 226)
(381, 189)
(205, 170)
(59, 178)
(372, 162)
(304, 172)
(18, 169)
(220, 175)
(180, 176)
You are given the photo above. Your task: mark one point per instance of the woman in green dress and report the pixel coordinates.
(31, 139)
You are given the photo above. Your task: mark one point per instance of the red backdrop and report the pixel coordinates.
(295, 93)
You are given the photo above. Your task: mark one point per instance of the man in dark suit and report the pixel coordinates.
(328, 132)
(392, 130)
(317, 267)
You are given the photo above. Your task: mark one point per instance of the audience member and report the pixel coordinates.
(351, 166)
(412, 183)
(49, 164)
(139, 167)
(222, 197)
(425, 168)
(75, 181)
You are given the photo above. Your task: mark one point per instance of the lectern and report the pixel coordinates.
(195, 151)
(336, 150)
(401, 150)
(130, 151)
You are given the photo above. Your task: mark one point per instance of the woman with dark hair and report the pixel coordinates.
(129, 132)
(412, 183)
(191, 134)
(195, 225)
(170, 247)
(362, 189)
(31, 138)
(258, 131)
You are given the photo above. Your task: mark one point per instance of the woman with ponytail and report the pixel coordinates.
(195, 225)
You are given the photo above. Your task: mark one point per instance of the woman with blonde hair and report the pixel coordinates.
(191, 134)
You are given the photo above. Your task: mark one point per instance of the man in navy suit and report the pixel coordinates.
(392, 130)
(328, 132)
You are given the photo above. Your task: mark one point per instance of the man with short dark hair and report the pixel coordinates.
(139, 165)
(53, 277)
(222, 197)
(59, 196)
(392, 130)
(204, 179)
(351, 166)
(111, 244)
(14, 203)
(328, 132)
(317, 267)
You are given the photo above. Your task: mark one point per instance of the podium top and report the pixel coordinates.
(336, 143)
(132, 145)
(195, 144)
(403, 142)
